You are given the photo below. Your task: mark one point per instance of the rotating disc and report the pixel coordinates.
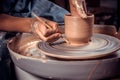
(101, 45)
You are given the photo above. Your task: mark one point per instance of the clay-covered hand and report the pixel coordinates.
(80, 7)
(45, 33)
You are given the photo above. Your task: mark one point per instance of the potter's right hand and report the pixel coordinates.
(44, 33)
(80, 7)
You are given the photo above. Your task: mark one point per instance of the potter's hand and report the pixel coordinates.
(45, 33)
(80, 7)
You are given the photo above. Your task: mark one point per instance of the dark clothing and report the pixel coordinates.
(23, 8)
(4, 58)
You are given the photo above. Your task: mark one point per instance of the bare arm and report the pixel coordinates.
(10, 23)
(17, 24)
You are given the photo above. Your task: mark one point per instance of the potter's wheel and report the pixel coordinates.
(101, 45)
(56, 69)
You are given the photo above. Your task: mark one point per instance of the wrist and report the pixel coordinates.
(34, 25)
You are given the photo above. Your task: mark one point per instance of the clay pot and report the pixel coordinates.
(78, 31)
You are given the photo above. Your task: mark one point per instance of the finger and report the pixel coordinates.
(53, 25)
(80, 12)
(49, 32)
(43, 29)
(38, 32)
(53, 37)
(50, 38)
(40, 35)
(46, 32)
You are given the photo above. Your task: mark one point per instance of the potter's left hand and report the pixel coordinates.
(44, 33)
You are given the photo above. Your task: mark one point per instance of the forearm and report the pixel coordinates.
(14, 24)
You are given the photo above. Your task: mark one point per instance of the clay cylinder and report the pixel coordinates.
(78, 31)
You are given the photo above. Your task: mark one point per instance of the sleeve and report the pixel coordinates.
(43, 8)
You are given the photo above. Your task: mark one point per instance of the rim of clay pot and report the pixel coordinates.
(89, 15)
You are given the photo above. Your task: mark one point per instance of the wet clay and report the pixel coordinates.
(78, 28)
(78, 8)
